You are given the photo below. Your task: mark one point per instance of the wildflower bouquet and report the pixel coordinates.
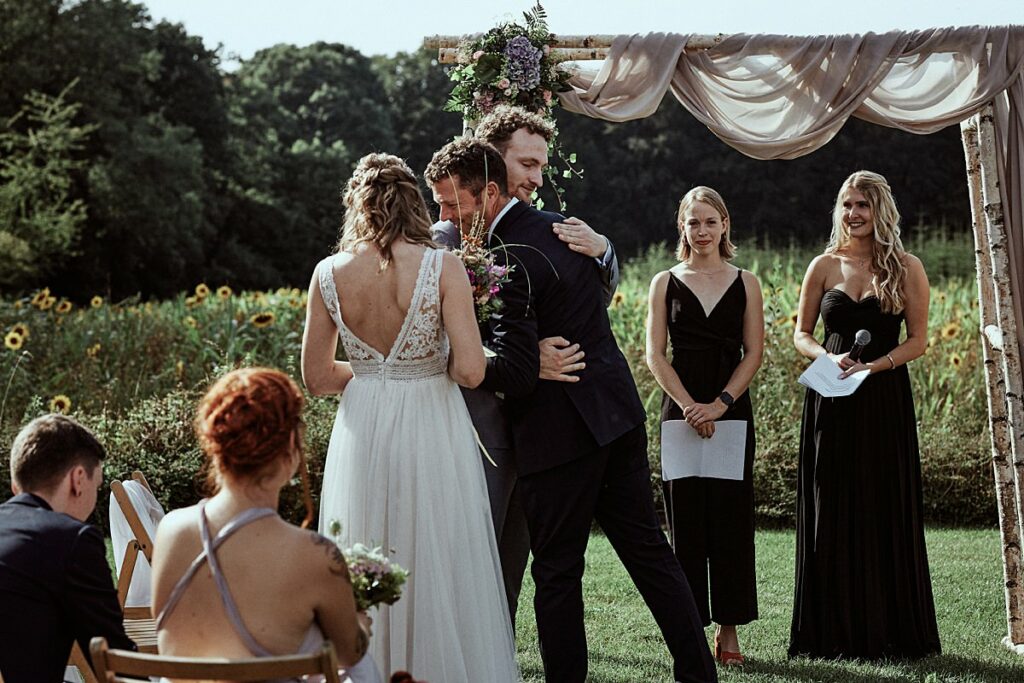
(486, 277)
(376, 580)
(510, 64)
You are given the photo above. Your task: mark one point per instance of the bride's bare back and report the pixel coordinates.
(374, 303)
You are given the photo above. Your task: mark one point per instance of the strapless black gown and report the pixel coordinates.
(862, 582)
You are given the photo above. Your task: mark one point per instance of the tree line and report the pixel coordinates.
(132, 162)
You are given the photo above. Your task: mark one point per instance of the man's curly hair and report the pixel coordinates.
(474, 161)
(504, 120)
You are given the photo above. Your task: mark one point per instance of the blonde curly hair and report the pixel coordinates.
(383, 203)
(887, 250)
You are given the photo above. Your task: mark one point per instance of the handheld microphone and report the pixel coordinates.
(860, 340)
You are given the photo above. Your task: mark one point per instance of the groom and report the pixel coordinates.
(522, 137)
(581, 448)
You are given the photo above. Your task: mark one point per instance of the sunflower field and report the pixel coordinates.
(133, 372)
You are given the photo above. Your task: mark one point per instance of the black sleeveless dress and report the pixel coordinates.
(711, 521)
(862, 582)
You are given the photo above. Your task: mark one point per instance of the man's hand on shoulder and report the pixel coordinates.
(581, 238)
(558, 358)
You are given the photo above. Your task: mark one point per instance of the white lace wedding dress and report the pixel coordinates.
(403, 471)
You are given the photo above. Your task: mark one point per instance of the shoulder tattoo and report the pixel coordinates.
(336, 560)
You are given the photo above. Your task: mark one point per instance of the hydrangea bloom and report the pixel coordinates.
(523, 63)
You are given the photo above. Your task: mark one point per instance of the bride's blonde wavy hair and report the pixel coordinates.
(887, 250)
(383, 203)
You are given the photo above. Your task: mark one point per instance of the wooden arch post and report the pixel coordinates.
(1002, 362)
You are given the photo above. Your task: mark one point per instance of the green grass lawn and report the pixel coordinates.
(626, 646)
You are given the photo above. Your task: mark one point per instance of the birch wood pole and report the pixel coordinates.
(992, 346)
(565, 47)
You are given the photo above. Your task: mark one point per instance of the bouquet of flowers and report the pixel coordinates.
(376, 580)
(486, 277)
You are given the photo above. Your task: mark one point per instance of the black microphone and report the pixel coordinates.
(860, 340)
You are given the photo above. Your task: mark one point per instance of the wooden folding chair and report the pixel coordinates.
(109, 663)
(138, 621)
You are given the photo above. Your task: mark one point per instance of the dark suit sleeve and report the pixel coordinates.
(515, 368)
(91, 601)
(610, 275)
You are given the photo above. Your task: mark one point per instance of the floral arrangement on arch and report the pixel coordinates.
(510, 64)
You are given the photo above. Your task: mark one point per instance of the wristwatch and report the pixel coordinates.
(726, 398)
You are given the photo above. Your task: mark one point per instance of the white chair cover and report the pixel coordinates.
(150, 512)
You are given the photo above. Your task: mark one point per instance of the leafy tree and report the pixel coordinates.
(39, 219)
(300, 117)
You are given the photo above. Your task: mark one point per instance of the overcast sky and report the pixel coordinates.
(389, 26)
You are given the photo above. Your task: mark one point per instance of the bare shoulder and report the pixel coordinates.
(911, 263)
(323, 552)
(750, 282)
(178, 523)
(450, 260)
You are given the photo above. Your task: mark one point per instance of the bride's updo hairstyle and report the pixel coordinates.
(249, 419)
(383, 203)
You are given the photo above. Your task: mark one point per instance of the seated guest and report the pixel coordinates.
(230, 577)
(55, 583)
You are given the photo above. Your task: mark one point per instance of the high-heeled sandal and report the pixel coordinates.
(726, 658)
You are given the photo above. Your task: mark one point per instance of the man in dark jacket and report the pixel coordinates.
(55, 584)
(580, 447)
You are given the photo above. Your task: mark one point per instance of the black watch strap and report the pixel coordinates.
(727, 398)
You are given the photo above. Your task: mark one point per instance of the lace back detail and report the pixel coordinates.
(421, 349)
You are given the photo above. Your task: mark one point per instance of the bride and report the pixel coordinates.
(403, 470)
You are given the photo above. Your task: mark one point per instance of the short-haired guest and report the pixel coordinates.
(55, 584)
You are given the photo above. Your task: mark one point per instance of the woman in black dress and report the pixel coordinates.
(711, 312)
(862, 583)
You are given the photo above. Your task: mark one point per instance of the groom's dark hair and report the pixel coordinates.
(474, 161)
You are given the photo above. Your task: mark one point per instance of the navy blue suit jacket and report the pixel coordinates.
(55, 587)
(555, 292)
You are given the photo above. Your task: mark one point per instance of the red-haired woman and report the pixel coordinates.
(231, 578)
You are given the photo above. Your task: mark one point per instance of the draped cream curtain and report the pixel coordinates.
(780, 97)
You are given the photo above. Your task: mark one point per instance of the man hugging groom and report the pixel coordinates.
(580, 447)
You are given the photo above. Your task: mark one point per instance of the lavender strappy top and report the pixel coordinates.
(314, 637)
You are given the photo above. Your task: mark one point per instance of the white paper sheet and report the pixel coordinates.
(685, 454)
(823, 377)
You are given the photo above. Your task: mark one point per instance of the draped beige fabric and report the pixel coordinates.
(780, 97)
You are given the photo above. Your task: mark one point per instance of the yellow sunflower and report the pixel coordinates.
(202, 291)
(190, 322)
(192, 301)
(950, 330)
(956, 361)
(261, 320)
(60, 404)
(20, 328)
(93, 350)
(47, 303)
(64, 307)
(13, 340)
(40, 296)
(296, 303)
(618, 299)
(224, 292)
(96, 301)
